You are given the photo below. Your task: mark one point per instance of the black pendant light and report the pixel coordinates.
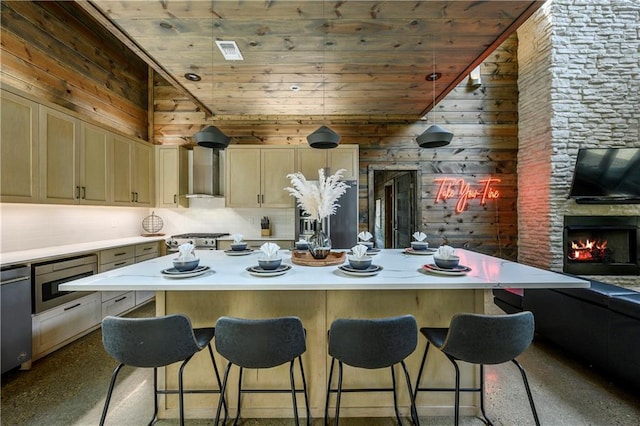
(212, 137)
(323, 138)
(435, 136)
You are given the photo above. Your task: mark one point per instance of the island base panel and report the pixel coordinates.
(317, 309)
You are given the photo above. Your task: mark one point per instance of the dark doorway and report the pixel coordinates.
(393, 210)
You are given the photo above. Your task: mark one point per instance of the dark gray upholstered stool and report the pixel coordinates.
(262, 343)
(371, 344)
(156, 342)
(484, 340)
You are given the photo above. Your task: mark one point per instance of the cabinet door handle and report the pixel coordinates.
(119, 263)
(136, 196)
(258, 198)
(77, 192)
(122, 253)
(120, 300)
(132, 197)
(262, 198)
(175, 199)
(72, 306)
(84, 192)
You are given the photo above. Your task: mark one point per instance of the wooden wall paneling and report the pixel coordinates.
(82, 68)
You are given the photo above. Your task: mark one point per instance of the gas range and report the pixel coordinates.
(201, 240)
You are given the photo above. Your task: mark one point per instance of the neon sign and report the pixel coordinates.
(458, 187)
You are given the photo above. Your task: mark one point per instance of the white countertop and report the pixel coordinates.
(40, 254)
(401, 271)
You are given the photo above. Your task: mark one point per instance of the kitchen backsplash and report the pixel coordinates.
(32, 226)
(210, 215)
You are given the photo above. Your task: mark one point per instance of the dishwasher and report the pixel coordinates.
(15, 313)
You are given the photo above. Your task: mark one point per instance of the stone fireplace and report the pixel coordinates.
(601, 245)
(576, 90)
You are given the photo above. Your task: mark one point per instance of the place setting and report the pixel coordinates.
(360, 263)
(238, 247)
(420, 246)
(446, 263)
(186, 265)
(270, 264)
(364, 239)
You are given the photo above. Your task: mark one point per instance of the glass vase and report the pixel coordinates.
(319, 242)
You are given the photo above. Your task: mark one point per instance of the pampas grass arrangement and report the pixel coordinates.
(318, 199)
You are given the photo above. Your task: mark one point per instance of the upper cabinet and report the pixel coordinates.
(257, 176)
(74, 159)
(132, 170)
(310, 160)
(65, 156)
(19, 172)
(172, 165)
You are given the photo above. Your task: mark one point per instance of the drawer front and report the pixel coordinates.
(119, 304)
(146, 257)
(109, 295)
(146, 249)
(116, 264)
(115, 254)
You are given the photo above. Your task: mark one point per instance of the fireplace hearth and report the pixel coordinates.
(602, 245)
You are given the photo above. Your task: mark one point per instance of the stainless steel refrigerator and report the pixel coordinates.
(342, 226)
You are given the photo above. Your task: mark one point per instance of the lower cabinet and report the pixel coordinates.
(117, 302)
(56, 327)
(63, 324)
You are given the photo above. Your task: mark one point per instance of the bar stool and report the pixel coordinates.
(484, 340)
(156, 342)
(262, 343)
(371, 344)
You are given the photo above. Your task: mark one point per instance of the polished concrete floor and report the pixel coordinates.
(68, 388)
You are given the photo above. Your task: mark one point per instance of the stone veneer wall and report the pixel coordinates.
(579, 82)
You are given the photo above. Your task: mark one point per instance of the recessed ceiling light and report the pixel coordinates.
(433, 76)
(192, 76)
(295, 88)
(166, 25)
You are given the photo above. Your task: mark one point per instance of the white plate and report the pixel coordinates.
(174, 273)
(238, 252)
(426, 252)
(371, 252)
(457, 271)
(370, 271)
(257, 271)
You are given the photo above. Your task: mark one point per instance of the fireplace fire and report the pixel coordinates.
(602, 245)
(588, 251)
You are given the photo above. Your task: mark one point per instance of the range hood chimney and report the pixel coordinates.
(207, 173)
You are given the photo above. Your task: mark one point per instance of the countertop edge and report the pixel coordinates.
(46, 253)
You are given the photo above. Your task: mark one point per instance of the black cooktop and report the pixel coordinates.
(201, 235)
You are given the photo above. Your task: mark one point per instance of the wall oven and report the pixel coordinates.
(48, 276)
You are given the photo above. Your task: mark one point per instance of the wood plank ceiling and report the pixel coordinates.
(314, 58)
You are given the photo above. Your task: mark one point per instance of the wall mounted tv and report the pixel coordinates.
(607, 176)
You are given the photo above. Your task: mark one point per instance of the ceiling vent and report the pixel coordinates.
(229, 50)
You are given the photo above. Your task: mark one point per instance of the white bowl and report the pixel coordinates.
(238, 246)
(269, 264)
(359, 262)
(186, 265)
(419, 245)
(449, 263)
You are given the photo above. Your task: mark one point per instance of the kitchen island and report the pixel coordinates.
(318, 295)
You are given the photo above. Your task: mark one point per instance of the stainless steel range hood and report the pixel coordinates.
(207, 173)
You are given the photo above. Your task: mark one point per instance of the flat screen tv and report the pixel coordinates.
(607, 176)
